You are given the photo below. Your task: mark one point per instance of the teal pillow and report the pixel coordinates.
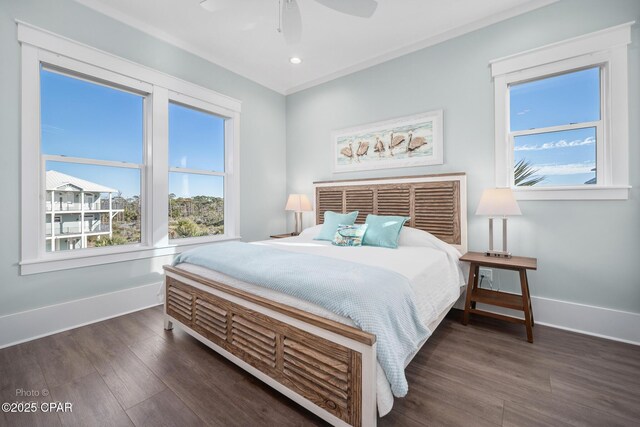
(331, 222)
(349, 235)
(383, 231)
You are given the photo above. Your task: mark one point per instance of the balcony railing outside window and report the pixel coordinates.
(63, 206)
(101, 204)
(98, 228)
(76, 229)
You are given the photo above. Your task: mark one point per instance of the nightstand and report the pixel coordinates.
(283, 236)
(502, 299)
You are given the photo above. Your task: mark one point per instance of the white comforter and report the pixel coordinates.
(431, 266)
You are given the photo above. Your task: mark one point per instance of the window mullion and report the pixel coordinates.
(146, 179)
(159, 215)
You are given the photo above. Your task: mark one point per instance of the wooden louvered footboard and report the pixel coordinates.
(324, 365)
(327, 367)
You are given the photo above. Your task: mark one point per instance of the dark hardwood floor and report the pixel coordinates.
(129, 371)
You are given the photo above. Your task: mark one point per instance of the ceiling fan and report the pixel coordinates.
(290, 21)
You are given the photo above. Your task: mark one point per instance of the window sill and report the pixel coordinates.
(68, 260)
(611, 192)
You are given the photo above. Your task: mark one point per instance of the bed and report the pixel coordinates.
(314, 356)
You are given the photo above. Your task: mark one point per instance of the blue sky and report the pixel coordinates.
(567, 157)
(88, 120)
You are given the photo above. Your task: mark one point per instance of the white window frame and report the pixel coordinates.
(196, 104)
(606, 49)
(42, 47)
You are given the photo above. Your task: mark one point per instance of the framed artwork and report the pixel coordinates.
(415, 140)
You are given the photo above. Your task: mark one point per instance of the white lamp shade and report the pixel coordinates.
(298, 203)
(498, 202)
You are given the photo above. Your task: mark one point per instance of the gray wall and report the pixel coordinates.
(587, 250)
(262, 152)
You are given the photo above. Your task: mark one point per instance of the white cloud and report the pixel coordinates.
(523, 112)
(558, 144)
(52, 129)
(568, 169)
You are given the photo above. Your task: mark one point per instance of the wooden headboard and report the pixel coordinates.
(435, 203)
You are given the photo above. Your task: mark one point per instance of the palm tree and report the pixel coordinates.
(524, 174)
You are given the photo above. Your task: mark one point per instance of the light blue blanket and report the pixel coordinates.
(377, 300)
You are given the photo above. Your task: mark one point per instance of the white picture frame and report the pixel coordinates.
(409, 141)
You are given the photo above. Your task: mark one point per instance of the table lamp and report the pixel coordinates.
(298, 203)
(498, 202)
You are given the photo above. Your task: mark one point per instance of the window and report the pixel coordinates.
(556, 128)
(105, 144)
(196, 172)
(91, 144)
(561, 119)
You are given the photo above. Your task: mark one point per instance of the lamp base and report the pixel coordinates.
(298, 229)
(498, 254)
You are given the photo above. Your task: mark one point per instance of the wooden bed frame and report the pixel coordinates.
(326, 366)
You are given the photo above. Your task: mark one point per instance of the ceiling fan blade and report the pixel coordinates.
(361, 8)
(291, 21)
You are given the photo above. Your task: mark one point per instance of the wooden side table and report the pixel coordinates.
(502, 299)
(283, 236)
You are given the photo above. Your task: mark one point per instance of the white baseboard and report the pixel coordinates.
(585, 319)
(28, 325)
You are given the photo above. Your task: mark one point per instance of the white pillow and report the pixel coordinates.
(410, 236)
(311, 232)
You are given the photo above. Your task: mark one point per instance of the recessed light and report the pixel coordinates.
(295, 60)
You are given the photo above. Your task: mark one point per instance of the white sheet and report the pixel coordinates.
(432, 269)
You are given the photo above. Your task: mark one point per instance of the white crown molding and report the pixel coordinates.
(40, 322)
(430, 41)
(250, 73)
(253, 74)
(61, 46)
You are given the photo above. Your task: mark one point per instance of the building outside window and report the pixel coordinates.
(119, 161)
(68, 201)
(92, 149)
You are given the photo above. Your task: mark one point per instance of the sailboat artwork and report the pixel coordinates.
(415, 140)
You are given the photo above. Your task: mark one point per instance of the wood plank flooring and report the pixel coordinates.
(128, 371)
